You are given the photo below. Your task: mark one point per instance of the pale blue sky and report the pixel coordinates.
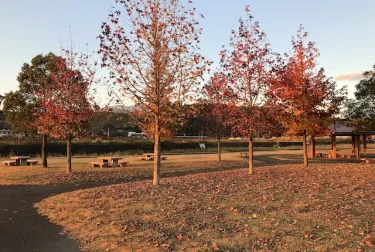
(342, 29)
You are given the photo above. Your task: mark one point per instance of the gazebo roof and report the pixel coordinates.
(341, 129)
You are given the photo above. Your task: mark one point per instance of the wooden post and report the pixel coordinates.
(312, 147)
(359, 143)
(334, 146)
(357, 149)
(364, 145)
(353, 144)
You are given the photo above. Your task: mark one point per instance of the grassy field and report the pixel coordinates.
(205, 205)
(175, 165)
(82, 171)
(284, 207)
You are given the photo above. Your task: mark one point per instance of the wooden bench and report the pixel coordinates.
(243, 154)
(123, 163)
(320, 154)
(10, 163)
(151, 158)
(32, 162)
(346, 154)
(367, 161)
(99, 164)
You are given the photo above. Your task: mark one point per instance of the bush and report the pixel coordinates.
(134, 147)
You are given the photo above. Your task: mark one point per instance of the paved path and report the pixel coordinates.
(23, 229)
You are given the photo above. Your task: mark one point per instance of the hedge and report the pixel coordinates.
(80, 148)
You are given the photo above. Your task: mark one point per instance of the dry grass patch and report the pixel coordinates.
(83, 172)
(327, 207)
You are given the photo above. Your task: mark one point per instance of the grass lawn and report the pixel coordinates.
(137, 169)
(286, 207)
(173, 166)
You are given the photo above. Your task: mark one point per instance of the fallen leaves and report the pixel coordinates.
(279, 208)
(48, 176)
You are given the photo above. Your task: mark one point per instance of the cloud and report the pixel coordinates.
(349, 77)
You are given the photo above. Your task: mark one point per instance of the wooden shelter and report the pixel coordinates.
(357, 137)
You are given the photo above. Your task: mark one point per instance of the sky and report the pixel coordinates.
(342, 29)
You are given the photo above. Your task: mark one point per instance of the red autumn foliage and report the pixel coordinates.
(247, 65)
(65, 109)
(217, 107)
(309, 99)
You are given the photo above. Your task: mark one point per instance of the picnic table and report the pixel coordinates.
(114, 161)
(320, 154)
(109, 162)
(346, 154)
(150, 157)
(21, 160)
(243, 154)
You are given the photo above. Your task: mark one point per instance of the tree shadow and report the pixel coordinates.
(285, 159)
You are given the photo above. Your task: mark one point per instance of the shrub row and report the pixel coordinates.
(80, 148)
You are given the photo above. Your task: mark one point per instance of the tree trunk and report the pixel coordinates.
(44, 150)
(334, 147)
(312, 146)
(357, 147)
(219, 147)
(251, 144)
(69, 155)
(353, 144)
(364, 145)
(305, 158)
(157, 162)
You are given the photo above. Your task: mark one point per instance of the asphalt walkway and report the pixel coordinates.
(22, 229)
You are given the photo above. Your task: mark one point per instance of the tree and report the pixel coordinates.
(194, 122)
(217, 107)
(65, 111)
(19, 106)
(19, 113)
(151, 49)
(103, 120)
(308, 97)
(361, 111)
(247, 66)
(1, 99)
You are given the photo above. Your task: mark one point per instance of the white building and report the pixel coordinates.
(141, 135)
(5, 133)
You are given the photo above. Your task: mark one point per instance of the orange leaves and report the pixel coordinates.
(159, 47)
(301, 88)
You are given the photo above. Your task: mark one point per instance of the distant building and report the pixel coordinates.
(141, 135)
(192, 137)
(5, 133)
